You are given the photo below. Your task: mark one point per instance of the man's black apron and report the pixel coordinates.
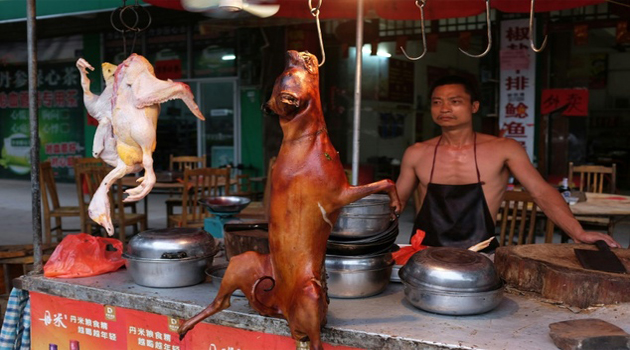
(455, 215)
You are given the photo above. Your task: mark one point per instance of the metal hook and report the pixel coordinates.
(531, 30)
(130, 24)
(424, 39)
(489, 35)
(315, 13)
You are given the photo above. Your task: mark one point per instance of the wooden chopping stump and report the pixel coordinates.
(553, 272)
(239, 242)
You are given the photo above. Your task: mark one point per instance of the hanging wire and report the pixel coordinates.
(315, 13)
(420, 4)
(129, 19)
(531, 30)
(489, 35)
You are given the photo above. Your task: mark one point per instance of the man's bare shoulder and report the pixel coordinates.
(498, 143)
(420, 147)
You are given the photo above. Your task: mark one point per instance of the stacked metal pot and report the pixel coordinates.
(168, 258)
(359, 260)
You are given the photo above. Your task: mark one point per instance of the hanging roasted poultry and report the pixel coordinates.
(127, 111)
(308, 189)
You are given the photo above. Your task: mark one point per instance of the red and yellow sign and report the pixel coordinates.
(56, 320)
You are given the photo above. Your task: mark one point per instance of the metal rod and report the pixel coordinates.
(31, 34)
(357, 96)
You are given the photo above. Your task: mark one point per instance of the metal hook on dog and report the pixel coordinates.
(489, 35)
(315, 13)
(420, 4)
(531, 30)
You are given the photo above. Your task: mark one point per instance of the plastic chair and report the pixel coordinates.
(198, 184)
(51, 205)
(597, 179)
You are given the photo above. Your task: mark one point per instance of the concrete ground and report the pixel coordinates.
(16, 214)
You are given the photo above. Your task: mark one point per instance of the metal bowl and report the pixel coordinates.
(363, 218)
(450, 269)
(453, 303)
(358, 276)
(217, 272)
(225, 204)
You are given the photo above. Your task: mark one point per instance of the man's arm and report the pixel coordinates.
(547, 197)
(407, 178)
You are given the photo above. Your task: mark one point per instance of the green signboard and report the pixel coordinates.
(61, 117)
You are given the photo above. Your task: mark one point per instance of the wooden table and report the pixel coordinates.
(614, 207)
(602, 204)
(161, 187)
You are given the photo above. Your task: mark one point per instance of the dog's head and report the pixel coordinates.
(296, 88)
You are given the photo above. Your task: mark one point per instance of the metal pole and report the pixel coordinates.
(34, 132)
(357, 96)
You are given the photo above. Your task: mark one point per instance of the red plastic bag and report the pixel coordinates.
(83, 255)
(403, 254)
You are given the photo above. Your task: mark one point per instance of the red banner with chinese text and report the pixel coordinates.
(56, 320)
(575, 101)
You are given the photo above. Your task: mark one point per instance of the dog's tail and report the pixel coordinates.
(271, 311)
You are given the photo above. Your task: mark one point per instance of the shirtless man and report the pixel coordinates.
(462, 176)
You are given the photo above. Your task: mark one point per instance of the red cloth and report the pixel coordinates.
(403, 254)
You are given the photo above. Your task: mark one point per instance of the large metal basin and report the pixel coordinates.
(167, 273)
(453, 303)
(363, 218)
(358, 276)
(451, 270)
(168, 258)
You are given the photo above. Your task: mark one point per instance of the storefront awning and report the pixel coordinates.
(15, 10)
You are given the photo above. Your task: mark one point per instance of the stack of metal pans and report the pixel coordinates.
(364, 228)
(378, 243)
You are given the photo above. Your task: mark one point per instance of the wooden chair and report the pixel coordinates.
(181, 163)
(199, 183)
(597, 179)
(517, 217)
(243, 187)
(260, 209)
(96, 162)
(92, 176)
(51, 205)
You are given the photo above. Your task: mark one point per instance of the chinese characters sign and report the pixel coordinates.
(518, 84)
(575, 101)
(56, 320)
(61, 118)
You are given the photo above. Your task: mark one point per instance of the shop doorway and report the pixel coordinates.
(218, 137)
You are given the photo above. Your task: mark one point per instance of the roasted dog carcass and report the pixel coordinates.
(127, 112)
(308, 189)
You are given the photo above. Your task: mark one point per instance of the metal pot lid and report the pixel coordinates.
(171, 243)
(450, 269)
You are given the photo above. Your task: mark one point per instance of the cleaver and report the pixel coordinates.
(602, 259)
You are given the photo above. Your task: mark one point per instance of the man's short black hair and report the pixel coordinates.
(469, 86)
